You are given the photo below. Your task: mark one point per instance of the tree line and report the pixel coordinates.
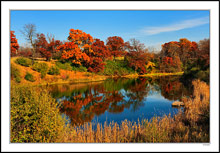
(82, 49)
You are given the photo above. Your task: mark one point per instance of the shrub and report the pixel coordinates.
(65, 76)
(24, 61)
(80, 68)
(34, 116)
(64, 66)
(15, 74)
(54, 70)
(42, 68)
(29, 77)
(117, 68)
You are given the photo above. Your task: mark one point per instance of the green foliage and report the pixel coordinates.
(29, 77)
(64, 66)
(42, 68)
(15, 73)
(54, 70)
(24, 61)
(80, 68)
(117, 68)
(196, 71)
(34, 116)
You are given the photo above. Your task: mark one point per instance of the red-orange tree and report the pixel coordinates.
(14, 44)
(136, 56)
(52, 45)
(42, 45)
(204, 51)
(100, 49)
(99, 53)
(184, 49)
(78, 47)
(45, 48)
(115, 45)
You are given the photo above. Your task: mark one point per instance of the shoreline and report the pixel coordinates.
(102, 78)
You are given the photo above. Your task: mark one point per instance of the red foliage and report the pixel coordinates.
(204, 51)
(95, 64)
(25, 53)
(52, 46)
(168, 60)
(79, 47)
(137, 60)
(71, 51)
(184, 49)
(115, 45)
(99, 49)
(42, 46)
(14, 44)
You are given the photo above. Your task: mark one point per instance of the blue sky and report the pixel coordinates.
(152, 28)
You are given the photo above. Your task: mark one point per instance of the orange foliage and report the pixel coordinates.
(78, 48)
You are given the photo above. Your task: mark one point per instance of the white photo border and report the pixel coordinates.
(129, 5)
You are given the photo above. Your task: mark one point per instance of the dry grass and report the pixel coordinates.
(65, 76)
(190, 126)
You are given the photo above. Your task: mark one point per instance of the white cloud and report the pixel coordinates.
(176, 26)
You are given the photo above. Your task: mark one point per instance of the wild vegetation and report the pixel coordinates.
(35, 114)
(35, 118)
(116, 58)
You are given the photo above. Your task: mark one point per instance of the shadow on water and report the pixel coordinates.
(119, 99)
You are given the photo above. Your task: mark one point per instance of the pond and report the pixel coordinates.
(119, 99)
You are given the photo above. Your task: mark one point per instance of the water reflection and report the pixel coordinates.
(119, 98)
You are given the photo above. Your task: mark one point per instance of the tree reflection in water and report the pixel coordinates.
(115, 95)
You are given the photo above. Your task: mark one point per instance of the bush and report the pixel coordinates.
(117, 68)
(54, 70)
(42, 68)
(34, 116)
(80, 68)
(15, 74)
(24, 61)
(29, 77)
(64, 66)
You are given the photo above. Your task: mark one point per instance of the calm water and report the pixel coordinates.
(119, 99)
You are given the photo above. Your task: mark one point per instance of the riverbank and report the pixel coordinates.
(69, 76)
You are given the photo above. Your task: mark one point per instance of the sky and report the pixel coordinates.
(153, 28)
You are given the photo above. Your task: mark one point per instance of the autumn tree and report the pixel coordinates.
(45, 48)
(183, 53)
(100, 49)
(184, 49)
(29, 32)
(42, 46)
(115, 45)
(97, 56)
(204, 51)
(14, 44)
(135, 45)
(136, 57)
(77, 48)
(52, 45)
(170, 49)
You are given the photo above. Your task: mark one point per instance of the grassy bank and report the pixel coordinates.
(19, 73)
(35, 118)
(26, 73)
